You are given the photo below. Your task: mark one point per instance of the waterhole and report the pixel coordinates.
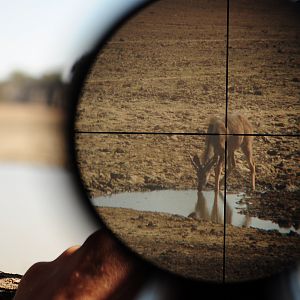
(191, 203)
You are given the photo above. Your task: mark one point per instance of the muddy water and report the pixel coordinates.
(191, 203)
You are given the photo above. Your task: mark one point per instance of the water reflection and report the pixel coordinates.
(216, 213)
(233, 216)
(201, 205)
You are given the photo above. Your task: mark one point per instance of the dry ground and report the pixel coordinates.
(164, 71)
(32, 133)
(194, 248)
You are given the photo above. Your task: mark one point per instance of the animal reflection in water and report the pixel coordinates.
(216, 213)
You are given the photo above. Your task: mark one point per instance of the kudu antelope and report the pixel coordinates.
(214, 153)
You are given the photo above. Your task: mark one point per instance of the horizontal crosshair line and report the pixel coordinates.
(186, 133)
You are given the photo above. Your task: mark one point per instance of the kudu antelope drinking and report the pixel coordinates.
(214, 153)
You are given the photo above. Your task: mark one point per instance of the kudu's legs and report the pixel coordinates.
(215, 217)
(218, 170)
(247, 149)
(231, 166)
(232, 163)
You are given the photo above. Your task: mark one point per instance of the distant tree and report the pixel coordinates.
(54, 87)
(20, 77)
(22, 87)
(54, 77)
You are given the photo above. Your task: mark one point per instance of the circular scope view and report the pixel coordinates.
(187, 137)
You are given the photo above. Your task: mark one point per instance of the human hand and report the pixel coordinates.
(99, 269)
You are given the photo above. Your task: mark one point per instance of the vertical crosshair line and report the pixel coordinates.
(227, 62)
(226, 125)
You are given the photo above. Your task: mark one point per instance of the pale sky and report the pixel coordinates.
(42, 36)
(45, 215)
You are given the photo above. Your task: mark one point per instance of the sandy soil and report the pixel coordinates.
(164, 72)
(32, 133)
(194, 248)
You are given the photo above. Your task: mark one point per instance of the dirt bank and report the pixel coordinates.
(195, 248)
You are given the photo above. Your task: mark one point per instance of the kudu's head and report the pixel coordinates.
(202, 171)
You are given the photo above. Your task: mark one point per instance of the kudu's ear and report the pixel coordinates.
(196, 162)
